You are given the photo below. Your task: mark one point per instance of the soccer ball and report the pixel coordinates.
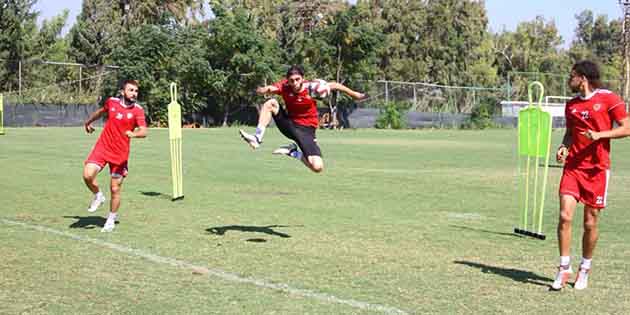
(318, 89)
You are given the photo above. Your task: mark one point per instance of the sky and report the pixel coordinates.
(502, 14)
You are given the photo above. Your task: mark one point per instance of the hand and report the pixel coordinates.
(561, 155)
(89, 128)
(360, 96)
(261, 90)
(130, 134)
(590, 134)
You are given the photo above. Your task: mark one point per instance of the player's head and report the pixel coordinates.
(584, 74)
(295, 77)
(129, 90)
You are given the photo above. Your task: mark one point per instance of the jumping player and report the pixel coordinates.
(298, 121)
(125, 121)
(585, 153)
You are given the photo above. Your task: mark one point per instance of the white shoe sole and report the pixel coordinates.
(245, 136)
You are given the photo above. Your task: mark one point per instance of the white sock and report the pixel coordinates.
(99, 194)
(586, 263)
(565, 261)
(260, 132)
(112, 216)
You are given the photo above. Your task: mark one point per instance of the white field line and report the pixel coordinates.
(213, 272)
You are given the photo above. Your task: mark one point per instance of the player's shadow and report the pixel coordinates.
(154, 194)
(486, 231)
(514, 274)
(269, 229)
(86, 222)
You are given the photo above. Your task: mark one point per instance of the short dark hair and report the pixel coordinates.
(590, 70)
(295, 69)
(132, 82)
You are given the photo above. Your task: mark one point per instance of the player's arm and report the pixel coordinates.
(623, 130)
(93, 117)
(266, 90)
(140, 132)
(340, 87)
(563, 149)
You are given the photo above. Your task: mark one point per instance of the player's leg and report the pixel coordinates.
(596, 185)
(311, 154)
(568, 204)
(118, 173)
(90, 172)
(267, 111)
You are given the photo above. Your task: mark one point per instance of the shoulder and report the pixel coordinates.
(138, 107)
(609, 98)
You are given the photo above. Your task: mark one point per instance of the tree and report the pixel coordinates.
(18, 24)
(239, 57)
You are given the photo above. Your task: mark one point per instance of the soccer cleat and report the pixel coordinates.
(285, 149)
(564, 272)
(109, 226)
(252, 140)
(96, 202)
(581, 281)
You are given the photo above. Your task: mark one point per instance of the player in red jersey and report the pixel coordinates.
(585, 152)
(125, 121)
(299, 120)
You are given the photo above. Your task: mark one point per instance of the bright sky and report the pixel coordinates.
(503, 14)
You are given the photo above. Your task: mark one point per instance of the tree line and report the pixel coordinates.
(218, 51)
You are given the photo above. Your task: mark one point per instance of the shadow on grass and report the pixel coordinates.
(86, 222)
(221, 230)
(155, 194)
(486, 231)
(514, 274)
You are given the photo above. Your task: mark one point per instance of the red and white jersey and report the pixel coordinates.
(301, 107)
(113, 142)
(596, 112)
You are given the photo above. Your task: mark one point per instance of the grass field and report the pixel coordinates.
(415, 222)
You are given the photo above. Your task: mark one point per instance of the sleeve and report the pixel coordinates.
(140, 119)
(106, 104)
(617, 108)
(280, 86)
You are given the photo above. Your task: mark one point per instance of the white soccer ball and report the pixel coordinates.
(318, 89)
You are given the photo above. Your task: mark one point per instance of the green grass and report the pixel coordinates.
(419, 221)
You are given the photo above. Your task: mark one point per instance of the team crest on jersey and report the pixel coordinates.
(129, 115)
(119, 116)
(596, 107)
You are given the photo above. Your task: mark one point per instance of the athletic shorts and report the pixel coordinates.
(304, 136)
(115, 170)
(589, 187)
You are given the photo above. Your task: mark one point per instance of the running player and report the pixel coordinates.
(585, 153)
(125, 121)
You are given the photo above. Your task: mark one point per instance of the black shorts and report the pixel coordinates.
(304, 136)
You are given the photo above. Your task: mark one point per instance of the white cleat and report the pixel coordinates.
(109, 226)
(285, 149)
(252, 140)
(581, 282)
(562, 277)
(96, 202)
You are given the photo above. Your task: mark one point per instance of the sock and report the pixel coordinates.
(260, 132)
(112, 216)
(296, 154)
(99, 194)
(565, 261)
(586, 263)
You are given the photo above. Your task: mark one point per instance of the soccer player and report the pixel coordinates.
(125, 120)
(585, 153)
(298, 121)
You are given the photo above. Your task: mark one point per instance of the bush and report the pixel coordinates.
(481, 117)
(390, 117)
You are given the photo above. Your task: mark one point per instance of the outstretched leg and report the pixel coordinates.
(268, 109)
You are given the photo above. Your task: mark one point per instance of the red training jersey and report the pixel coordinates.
(113, 142)
(595, 112)
(301, 107)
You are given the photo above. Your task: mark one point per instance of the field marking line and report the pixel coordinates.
(213, 272)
